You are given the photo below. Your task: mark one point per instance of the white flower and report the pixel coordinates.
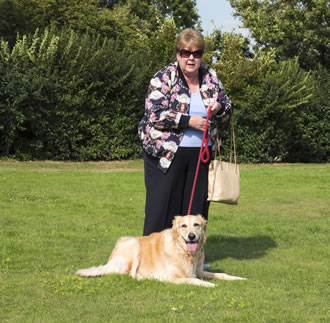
(212, 72)
(155, 95)
(178, 117)
(156, 82)
(164, 162)
(170, 145)
(163, 116)
(155, 133)
(204, 88)
(183, 98)
(173, 76)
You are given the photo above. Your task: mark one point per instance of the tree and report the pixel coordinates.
(238, 68)
(183, 12)
(280, 109)
(107, 3)
(162, 44)
(64, 95)
(77, 14)
(293, 27)
(268, 129)
(11, 20)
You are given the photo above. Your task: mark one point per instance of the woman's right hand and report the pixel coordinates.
(198, 123)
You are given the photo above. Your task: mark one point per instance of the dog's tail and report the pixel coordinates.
(112, 267)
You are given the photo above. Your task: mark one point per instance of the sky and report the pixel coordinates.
(221, 13)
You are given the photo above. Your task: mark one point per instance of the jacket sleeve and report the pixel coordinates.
(158, 106)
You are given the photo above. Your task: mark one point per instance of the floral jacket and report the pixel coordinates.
(167, 110)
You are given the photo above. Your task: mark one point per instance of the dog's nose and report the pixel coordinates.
(191, 236)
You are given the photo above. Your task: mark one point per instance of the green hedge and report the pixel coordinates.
(283, 116)
(69, 96)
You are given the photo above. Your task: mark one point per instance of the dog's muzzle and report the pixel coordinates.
(192, 243)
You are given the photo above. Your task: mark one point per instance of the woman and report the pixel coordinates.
(171, 133)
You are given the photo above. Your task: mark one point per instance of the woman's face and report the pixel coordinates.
(189, 60)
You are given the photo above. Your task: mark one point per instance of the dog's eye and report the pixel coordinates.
(197, 225)
(183, 226)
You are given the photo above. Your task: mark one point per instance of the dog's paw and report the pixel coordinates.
(229, 277)
(82, 272)
(208, 284)
(235, 278)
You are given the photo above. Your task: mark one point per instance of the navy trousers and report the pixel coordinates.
(168, 195)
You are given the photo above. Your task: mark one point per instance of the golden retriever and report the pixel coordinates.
(174, 255)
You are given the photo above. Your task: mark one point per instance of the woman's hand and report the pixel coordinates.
(215, 107)
(198, 123)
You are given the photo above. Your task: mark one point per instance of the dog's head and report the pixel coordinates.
(190, 231)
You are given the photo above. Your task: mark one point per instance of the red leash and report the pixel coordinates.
(204, 156)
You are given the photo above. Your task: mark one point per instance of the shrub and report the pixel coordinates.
(75, 96)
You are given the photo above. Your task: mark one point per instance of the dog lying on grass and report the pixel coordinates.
(174, 255)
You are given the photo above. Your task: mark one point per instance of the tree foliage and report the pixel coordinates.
(11, 21)
(293, 27)
(73, 76)
(278, 112)
(68, 96)
(162, 44)
(268, 119)
(236, 65)
(183, 12)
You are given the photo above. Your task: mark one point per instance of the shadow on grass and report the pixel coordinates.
(220, 247)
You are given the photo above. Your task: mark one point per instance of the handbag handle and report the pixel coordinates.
(217, 147)
(232, 144)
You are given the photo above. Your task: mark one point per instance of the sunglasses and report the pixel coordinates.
(184, 53)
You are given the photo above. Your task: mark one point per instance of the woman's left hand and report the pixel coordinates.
(215, 107)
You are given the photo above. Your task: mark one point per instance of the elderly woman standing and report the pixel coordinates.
(171, 133)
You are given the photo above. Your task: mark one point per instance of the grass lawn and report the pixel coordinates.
(57, 217)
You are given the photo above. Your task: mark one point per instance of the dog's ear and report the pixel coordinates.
(204, 221)
(204, 224)
(175, 221)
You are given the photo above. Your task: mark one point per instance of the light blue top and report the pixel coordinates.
(191, 136)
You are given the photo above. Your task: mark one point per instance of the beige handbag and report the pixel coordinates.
(224, 177)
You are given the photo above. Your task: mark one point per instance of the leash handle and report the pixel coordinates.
(204, 156)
